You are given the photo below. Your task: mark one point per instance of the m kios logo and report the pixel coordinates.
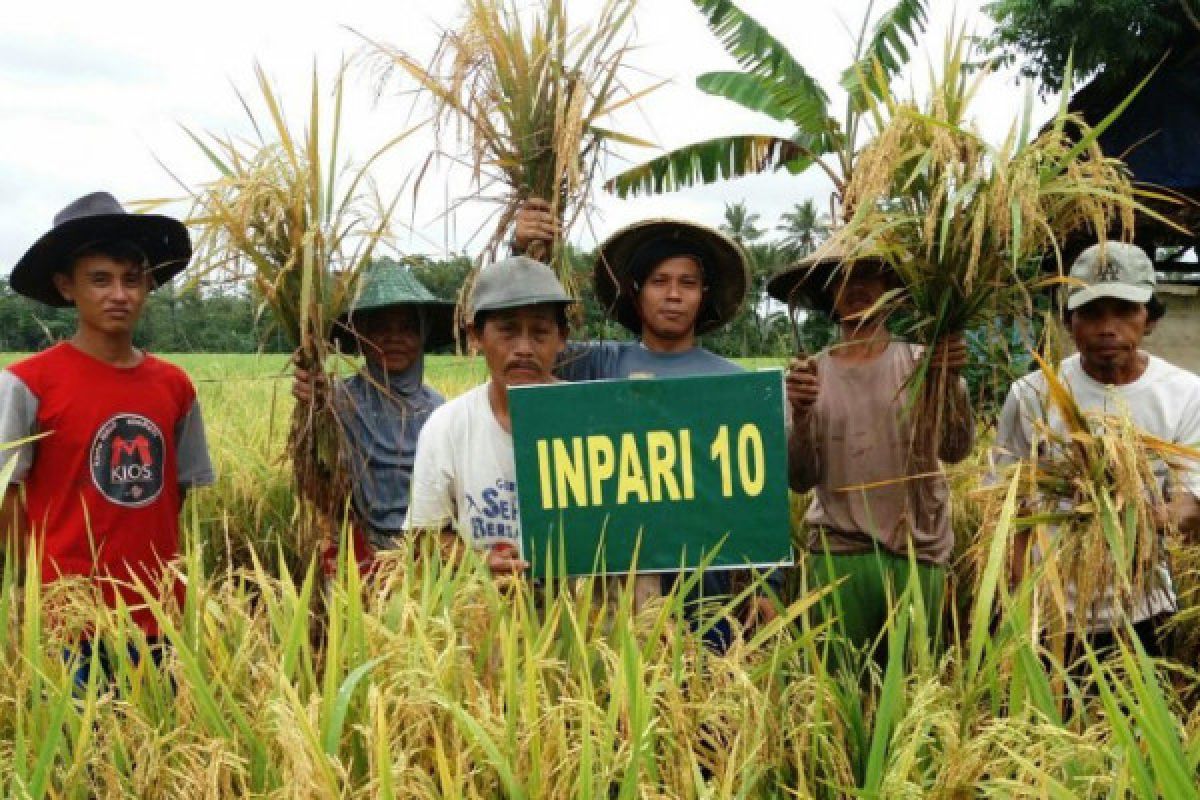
(126, 460)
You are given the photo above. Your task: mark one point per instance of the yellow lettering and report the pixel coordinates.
(685, 465)
(601, 465)
(661, 447)
(569, 472)
(750, 460)
(543, 453)
(630, 478)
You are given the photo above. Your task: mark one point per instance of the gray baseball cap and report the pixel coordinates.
(515, 282)
(1111, 269)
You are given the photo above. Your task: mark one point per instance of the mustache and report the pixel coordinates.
(525, 364)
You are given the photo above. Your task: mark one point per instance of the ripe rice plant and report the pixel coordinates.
(528, 94)
(286, 215)
(1095, 508)
(435, 681)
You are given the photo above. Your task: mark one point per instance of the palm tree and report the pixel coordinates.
(774, 83)
(803, 229)
(741, 224)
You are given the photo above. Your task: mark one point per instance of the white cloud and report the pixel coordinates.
(95, 93)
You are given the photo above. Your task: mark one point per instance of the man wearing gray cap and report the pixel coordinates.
(1110, 309)
(464, 476)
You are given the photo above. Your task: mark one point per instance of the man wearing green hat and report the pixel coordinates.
(879, 493)
(392, 322)
(464, 477)
(122, 439)
(667, 281)
(1110, 309)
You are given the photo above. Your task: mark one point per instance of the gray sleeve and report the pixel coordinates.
(18, 419)
(588, 361)
(193, 465)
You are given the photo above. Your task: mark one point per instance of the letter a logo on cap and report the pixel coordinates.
(1107, 272)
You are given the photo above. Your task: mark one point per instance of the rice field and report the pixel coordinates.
(434, 681)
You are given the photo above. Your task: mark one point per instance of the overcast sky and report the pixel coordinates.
(95, 96)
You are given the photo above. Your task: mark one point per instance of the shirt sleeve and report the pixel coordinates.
(1013, 431)
(193, 465)
(18, 420)
(1187, 474)
(432, 493)
(588, 361)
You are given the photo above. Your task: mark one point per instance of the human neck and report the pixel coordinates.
(114, 349)
(1117, 374)
(861, 341)
(498, 399)
(658, 344)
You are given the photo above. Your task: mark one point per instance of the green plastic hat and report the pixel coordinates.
(386, 284)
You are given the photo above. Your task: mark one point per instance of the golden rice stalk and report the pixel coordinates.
(1096, 507)
(290, 218)
(526, 95)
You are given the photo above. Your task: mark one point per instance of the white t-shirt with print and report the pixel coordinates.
(464, 475)
(1163, 402)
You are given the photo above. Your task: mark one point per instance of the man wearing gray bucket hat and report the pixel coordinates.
(464, 478)
(1110, 309)
(667, 281)
(392, 322)
(122, 439)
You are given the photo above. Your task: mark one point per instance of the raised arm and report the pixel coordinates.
(802, 386)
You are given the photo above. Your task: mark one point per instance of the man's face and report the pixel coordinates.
(858, 293)
(1108, 333)
(520, 345)
(390, 337)
(670, 298)
(109, 294)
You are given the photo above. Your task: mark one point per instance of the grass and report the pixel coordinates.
(432, 681)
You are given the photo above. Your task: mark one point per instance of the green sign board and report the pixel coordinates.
(673, 469)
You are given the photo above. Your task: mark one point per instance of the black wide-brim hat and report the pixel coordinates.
(815, 280)
(726, 270)
(93, 219)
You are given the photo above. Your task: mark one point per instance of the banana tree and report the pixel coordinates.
(772, 82)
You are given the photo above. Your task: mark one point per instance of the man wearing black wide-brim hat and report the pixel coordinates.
(122, 436)
(667, 281)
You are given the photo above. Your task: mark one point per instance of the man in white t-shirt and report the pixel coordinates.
(1110, 310)
(464, 475)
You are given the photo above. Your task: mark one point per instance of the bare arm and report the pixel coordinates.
(1184, 509)
(947, 391)
(802, 386)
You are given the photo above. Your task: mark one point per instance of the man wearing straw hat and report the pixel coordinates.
(122, 436)
(392, 322)
(1110, 309)
(880, 505)
(667, 281)
(464, 477)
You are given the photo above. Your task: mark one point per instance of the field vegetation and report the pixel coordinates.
(427, 681)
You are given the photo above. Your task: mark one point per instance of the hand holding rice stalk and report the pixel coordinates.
(297, 224)
(527, 97)
(1096, 506)
(964, 224)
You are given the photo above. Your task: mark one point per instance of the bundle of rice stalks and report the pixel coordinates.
(1097, 511)
(288, 217)
(527, 96)
(964, 223)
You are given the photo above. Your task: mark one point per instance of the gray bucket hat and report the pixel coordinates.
(95, 218)
(386, 284)
(515, 282)
(1111, 269)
